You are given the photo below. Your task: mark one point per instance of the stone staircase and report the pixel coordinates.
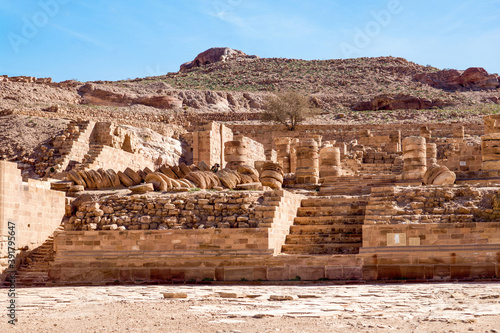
(356, 185)
(379, 169)
(34, 269)
(77, 146)
(92, 155)
(327, 225)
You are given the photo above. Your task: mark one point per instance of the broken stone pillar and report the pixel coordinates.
(317, 138)
(307, 171)
(431, 152)
(425, 132)
(394, 145)
(458, 132)
(490, 150)
(235, 154)
(414, 158)
(329, 163)
(272, 175)
(293, 155)
(283, 152)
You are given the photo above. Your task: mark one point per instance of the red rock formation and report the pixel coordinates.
(212, 55)
(476, 78)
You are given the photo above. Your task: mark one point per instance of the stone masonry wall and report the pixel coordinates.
(119, 160)
(33, 207)
(432, 215)
(198, 210)
(265, 134)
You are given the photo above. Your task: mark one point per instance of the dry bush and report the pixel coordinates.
(289, 109)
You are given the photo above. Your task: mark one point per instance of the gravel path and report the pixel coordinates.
(449, 307)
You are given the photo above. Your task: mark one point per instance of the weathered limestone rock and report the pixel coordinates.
(166, 170)
(203, 166)
(329, 163)
(142, 188)
(133, 175)
(283, 152)
(158, 182)
(115, 180)
(249, 171)
(125, 180)
(439, 175)
(414, 158)
(307, 171)
(227, 178)
(198, 178)
(74, 176)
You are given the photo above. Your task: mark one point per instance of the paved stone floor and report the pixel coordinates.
(446, 307)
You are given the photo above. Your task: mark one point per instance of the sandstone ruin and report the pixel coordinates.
(109, 200)
(382, 206)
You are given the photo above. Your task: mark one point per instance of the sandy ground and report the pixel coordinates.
(465, 307)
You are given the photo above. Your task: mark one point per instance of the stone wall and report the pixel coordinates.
(35, 210)
(214, 241)
(460, 155)
(208, 143)
(116, 159)
(266, 134)
(255, 150)
(198, 210)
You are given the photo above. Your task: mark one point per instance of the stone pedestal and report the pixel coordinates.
(329, 163)
(283, 152)
(414, 158)
(490, 144)
(307, 171)
(235, 154)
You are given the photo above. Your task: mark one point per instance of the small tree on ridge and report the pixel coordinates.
(289, 108)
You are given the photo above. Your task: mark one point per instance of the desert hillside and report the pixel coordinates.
(227, 85)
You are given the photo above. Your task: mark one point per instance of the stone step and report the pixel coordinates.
(339, 200)
(328, 220)
(348, 248)
(323, 239)
(326, 229)
(331, 211)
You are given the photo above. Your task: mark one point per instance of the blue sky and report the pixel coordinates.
(119, 39)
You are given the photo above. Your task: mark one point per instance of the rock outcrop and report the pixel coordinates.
(212, 55)
(397, 102)
(99, 95)
(475, 78)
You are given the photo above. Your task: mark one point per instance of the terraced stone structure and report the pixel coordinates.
(340, 205)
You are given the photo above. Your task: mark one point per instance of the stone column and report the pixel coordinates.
(235, 154)
(293, 155)
(394, 145)
(490, 150)
(431, 154)
(414, 158)
(329, 163)
(307, 162)
(283, 152)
